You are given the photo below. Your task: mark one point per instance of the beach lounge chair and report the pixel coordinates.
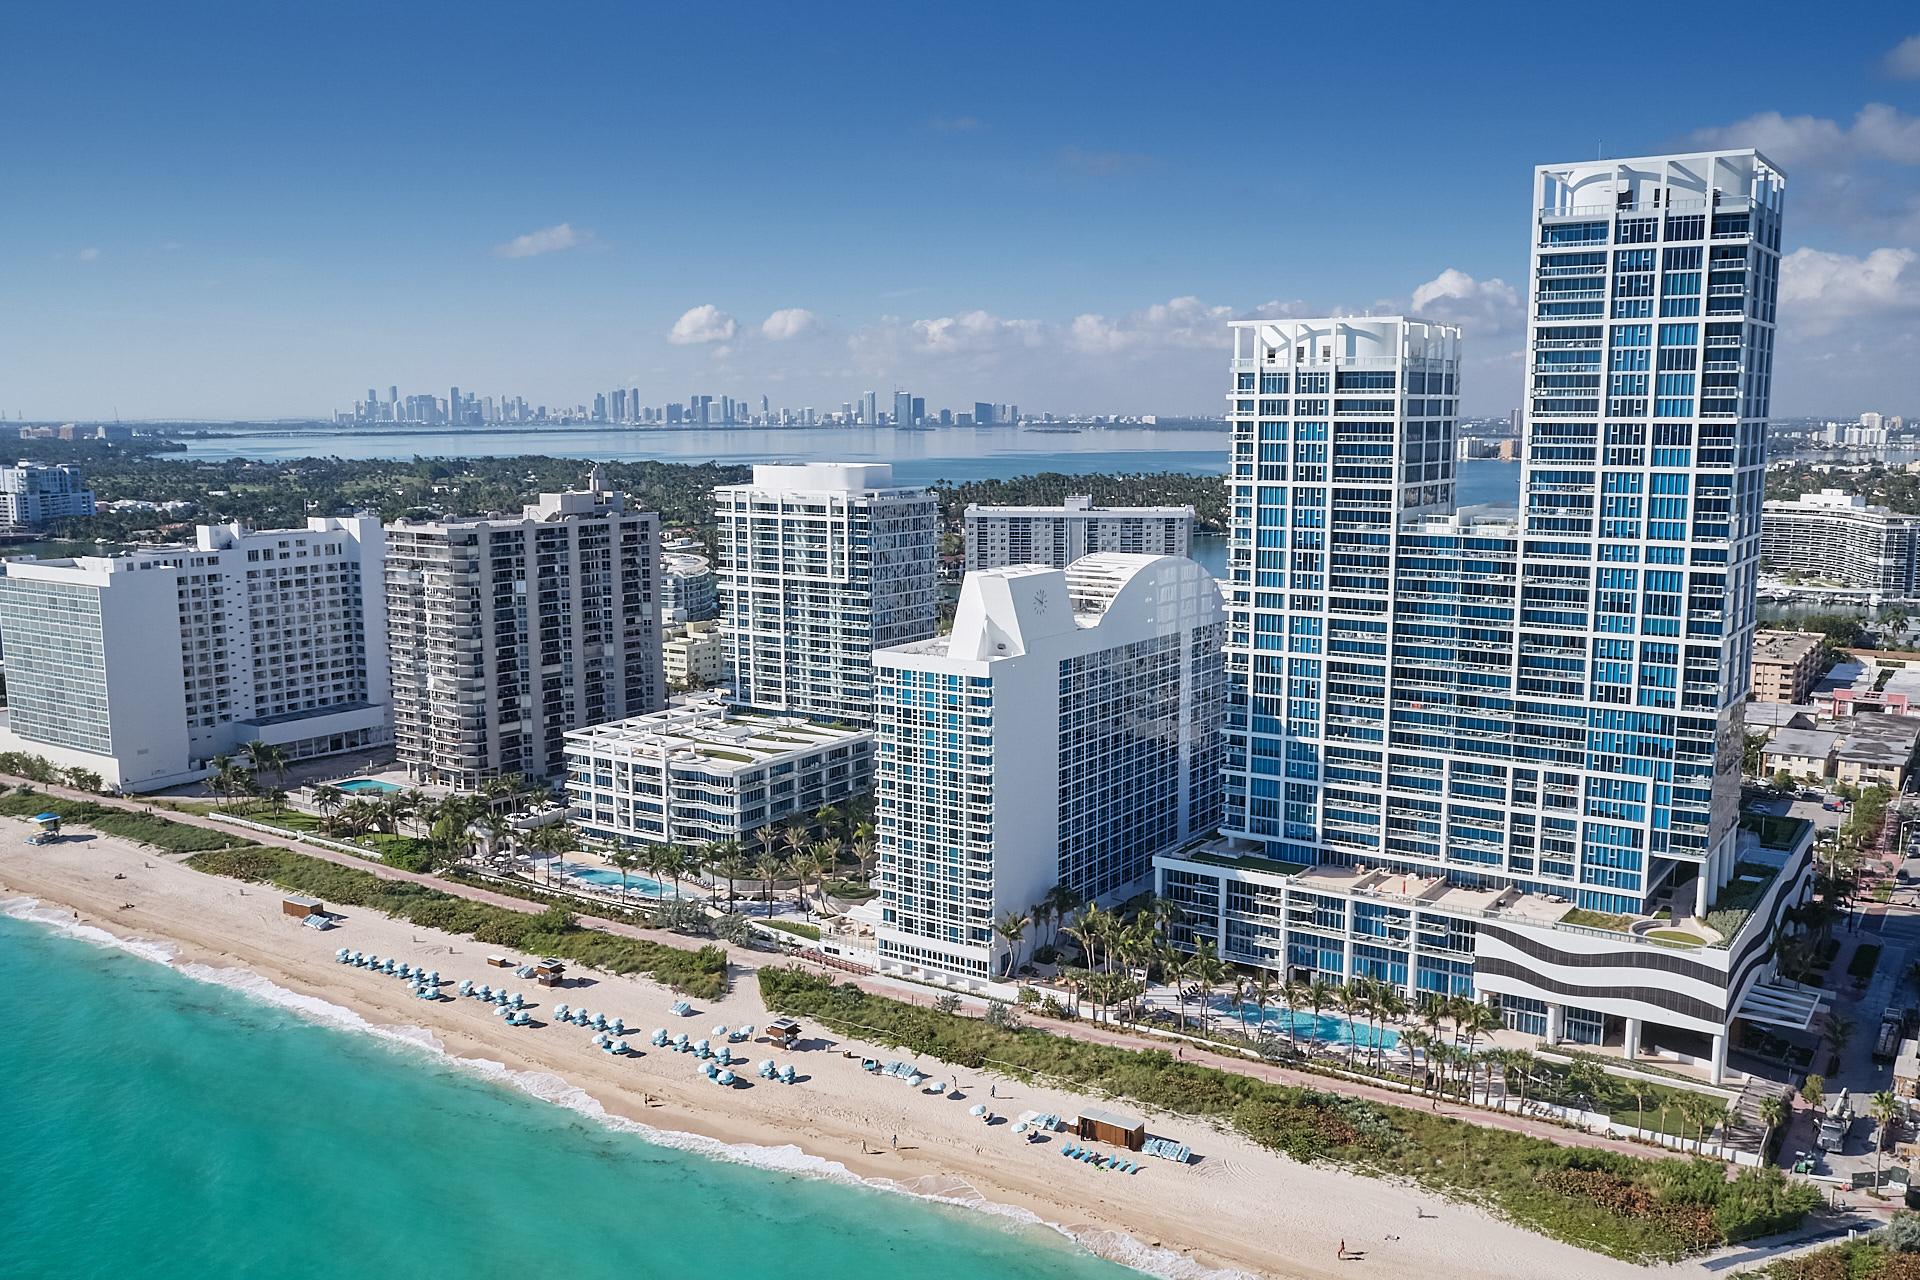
(680, 1009)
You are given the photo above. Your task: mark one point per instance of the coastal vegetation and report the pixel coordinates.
(1206, 494)
(283, 493)
(554, 932)
(1637, 1208)
(143, 828)
(1891, 1253)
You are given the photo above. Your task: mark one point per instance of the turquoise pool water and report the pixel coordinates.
(172, 1129)
(1327, 1027)
(368, 784)
(636, 884)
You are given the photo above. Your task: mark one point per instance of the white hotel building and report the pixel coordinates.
(1066, 730)
(821, 564)
(144, 666)
(1057, 536)
(701, 772)
(1478, 754)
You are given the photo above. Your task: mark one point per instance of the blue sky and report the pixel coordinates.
(262, 209)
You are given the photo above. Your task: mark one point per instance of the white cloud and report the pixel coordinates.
(561, 235)
(789, 322)
(1853, 176)
(704, 323)
(89, 254)
(974, 331)
(1903, 60)
(1821, 291)
(1179, 322)
(1480, 307)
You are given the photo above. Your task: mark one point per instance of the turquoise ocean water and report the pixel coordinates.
(157, 1126)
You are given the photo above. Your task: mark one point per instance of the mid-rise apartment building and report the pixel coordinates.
(1786, 665)
(32, 495)
(821, 564)
(145, 666)
(702, 772)
(1066, 730)
(1476, 754)
(506, 633)
(1840, 537)
(1057, 536)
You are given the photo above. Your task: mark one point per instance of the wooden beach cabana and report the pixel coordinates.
(1097, 1125)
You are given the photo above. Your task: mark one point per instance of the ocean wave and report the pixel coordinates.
(1114, 1246)
(64, 922)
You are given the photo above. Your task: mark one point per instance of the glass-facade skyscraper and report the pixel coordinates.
(1547, 700)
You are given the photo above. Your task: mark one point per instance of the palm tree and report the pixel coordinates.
(264, 758)
(734, 867)
(1390, 1005)
(1176, 967)
(624, 861)
(863, 847)
(1518, 1064)
(767, 867)
(1012, 927)
(826, 817)
(1885, 1108)
(1292, 996)
(1473, 1021)
(1209, 970)
(822, 857)
(328, 799)
(220, 777)
(1320, 994)
(1352, 997)
(1260, 992)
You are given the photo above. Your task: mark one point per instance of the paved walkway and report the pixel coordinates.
(896, 989)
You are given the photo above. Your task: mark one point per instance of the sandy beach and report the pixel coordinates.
(1239, 1208)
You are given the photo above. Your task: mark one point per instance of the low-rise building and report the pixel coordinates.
(1786, 665)
(1804, 754)
(1640, 986)
(695, 656)
(700, 772)
(1057, 536)
(1876, 751)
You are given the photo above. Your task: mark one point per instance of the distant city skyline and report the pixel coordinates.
(222, 232)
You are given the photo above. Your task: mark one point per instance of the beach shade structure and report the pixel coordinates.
(518, 1001)
(617, 1047)
(580, 1018)
(373, 962)
(343, 956)
(562, 1011)
(787, 1075)
(720, 1033)
(406, 971)
(659, 1038)
(466, 987)
(360, 959)
(600, 1041)
(433, 976)
(392, 966)
(500, 996)
(486, 991)
(618, 1026)
(742, 1033)
(707, 1069)
(725, 1077)
(1113, 1128)
(939, 1087)
(978, 1110)
(766, 1068)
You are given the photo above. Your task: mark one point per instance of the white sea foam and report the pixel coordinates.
(62, 921)
(788, 1158)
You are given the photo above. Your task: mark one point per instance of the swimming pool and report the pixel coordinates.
(368, 784)
(636, 884)
(1327, 1028)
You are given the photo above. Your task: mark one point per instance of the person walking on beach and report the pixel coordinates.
(896, 1142)
(1341, 1253)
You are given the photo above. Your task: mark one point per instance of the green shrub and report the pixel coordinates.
(553, 932)
(149, 829)
(796, 928)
